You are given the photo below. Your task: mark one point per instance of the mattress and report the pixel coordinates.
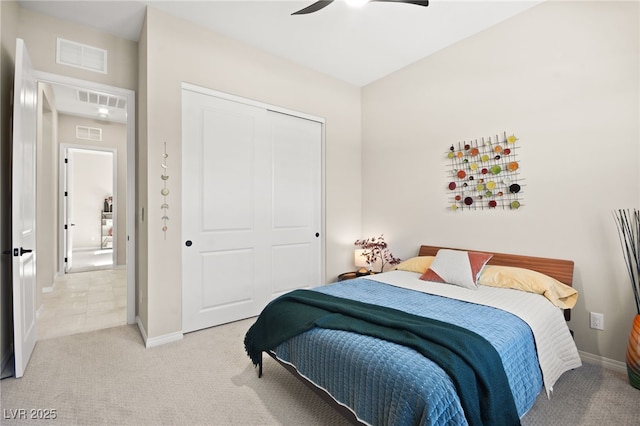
(386, 383)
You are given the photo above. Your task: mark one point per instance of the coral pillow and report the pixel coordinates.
(457, 267)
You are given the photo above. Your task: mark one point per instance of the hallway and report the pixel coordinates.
(84, 301)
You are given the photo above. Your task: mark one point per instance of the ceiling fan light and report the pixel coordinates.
(356, 3)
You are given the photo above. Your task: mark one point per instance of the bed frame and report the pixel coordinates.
(561, 270)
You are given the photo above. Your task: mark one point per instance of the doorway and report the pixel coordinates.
(89, 202)
(122, 223)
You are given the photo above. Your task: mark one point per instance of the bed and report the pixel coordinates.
(465, 355)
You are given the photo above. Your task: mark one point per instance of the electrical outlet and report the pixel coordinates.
(597, 320)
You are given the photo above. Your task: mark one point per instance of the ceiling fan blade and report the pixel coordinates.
(314, 7)
(416, 2)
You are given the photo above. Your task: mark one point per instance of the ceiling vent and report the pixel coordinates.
(102, 99)
(81, 56)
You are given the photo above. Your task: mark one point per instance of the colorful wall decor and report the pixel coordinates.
(484, 174)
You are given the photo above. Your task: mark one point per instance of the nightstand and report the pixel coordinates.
(351, 275)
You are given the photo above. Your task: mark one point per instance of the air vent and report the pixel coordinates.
(102, 99)
(89, 133)
(81, 56)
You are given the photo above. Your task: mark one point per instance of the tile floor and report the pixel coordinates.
(84, 301)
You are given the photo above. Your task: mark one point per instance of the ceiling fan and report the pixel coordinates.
(324, 3)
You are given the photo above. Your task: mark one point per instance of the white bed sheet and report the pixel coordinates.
(557, 352)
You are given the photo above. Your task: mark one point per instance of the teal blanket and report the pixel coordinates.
(470, 360)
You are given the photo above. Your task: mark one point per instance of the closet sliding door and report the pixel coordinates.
(252, 207)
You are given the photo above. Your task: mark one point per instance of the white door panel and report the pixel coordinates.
(23, 205)
(227, 170)
(297, 203)
(251, 208)
(219, 215)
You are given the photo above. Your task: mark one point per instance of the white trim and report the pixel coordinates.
(160, 340)
(49, 289)
(247, 101)
(130, 96)
(40, 310)
(610, 364)
(143, 332)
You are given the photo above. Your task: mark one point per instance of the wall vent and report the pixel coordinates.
(89, 133)
(102, 99)
(81, 56)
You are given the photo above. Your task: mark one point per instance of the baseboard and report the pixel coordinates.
(607, 363)
(39, 311)
(157, 341)
(143, 332)
(50, 288)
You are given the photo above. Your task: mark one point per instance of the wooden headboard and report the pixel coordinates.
(561, 270)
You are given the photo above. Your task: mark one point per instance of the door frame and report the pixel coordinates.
(62, 171)
(129, 95)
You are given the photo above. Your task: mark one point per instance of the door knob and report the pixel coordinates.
(188, 243)
(21, 251)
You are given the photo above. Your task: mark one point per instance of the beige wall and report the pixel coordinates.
(142, 259)
(114, 135)
(563, 77)
(46, 190)
(8, 31)
(40, 33)
(178, 51)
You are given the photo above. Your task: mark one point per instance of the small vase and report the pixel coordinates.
(633, 354)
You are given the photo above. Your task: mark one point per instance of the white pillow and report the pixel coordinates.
(457, 267)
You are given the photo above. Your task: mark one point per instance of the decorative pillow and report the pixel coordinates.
(416, 264)
(457, 267)
(559, 294)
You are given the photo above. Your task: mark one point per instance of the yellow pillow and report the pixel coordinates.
(558, 293)
(418, 264)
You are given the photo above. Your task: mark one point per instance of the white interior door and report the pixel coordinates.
(67, 206)
(23, 206)
(251, 208)
(296, 203)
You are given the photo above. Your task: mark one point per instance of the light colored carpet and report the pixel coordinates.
(107, 377)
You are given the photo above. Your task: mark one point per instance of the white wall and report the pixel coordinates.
(92, 182)
(563, 77)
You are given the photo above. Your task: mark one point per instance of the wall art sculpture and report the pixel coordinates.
(484, 174)
(164, 191)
